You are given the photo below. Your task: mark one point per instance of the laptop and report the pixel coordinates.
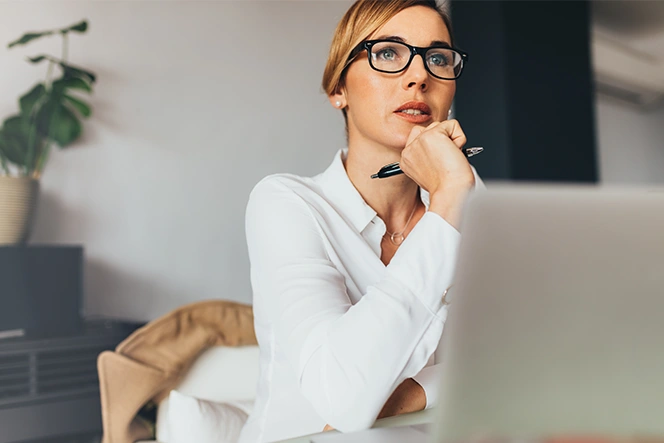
(556, 319)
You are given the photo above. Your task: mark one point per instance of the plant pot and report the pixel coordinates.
(18, 200)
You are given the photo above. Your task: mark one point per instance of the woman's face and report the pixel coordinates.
(372, 98)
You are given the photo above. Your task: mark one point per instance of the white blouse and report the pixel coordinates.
(338, 330)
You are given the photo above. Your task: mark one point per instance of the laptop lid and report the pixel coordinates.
(556, 319)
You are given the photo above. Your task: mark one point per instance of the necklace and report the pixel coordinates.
(397, 237)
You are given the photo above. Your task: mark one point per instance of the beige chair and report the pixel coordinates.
(220, 374)
(181, 349)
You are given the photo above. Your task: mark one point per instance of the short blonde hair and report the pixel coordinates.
(362, 19)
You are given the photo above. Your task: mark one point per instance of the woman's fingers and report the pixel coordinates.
(453, 131)
(449, 128)
(414, 133)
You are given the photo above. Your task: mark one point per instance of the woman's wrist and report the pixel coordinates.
(448, 203)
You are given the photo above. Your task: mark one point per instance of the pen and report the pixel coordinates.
(394, 169)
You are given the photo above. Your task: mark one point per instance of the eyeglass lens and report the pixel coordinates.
(394, 56)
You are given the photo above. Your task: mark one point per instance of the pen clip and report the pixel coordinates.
(469, 152)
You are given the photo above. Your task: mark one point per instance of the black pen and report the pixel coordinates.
(394, 169)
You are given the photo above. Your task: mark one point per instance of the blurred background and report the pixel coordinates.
(196, 101)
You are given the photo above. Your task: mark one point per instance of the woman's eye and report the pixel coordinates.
(387, 54)
(438, 59)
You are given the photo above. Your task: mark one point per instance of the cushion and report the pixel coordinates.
(220, 374)
(202, 421)
(149, 363)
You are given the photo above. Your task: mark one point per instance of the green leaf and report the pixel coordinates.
(4, 162)
(16, 126)
(28, 100)
(74, 72)
(79, 105)
(17, 134)
(28, 37)
(71, 83)
(12, 150)
(38, 59)
(55, 121)
(78, 27)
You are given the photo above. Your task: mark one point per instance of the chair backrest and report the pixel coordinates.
(219, 374)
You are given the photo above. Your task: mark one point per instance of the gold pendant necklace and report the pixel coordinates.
(397, 237)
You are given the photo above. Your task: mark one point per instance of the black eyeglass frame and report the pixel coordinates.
(414, 50)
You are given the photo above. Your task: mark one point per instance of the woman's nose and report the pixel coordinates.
(416, 75)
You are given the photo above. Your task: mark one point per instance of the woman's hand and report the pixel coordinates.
(434, 160)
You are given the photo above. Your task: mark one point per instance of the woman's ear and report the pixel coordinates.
(338, 100)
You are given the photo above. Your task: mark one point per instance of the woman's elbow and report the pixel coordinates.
(346, 403)
(350, 413)
(353, 420)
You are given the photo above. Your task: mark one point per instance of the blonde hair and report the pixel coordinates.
(362, 19)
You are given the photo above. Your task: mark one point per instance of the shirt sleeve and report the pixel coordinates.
(479, 183)
(347, 358)
(429, 379)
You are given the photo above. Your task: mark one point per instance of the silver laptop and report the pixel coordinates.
(556, 321)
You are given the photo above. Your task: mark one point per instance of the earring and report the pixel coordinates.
(449, 113)
(338, 103)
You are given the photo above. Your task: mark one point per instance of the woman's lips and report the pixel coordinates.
(414, 117)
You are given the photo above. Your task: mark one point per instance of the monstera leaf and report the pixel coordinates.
(18, 141)
(57, 122)
(76, 72)
(11, 149)
(71, 83)
(82, 107)
(70, 71)
(30, 36)
(28, 101)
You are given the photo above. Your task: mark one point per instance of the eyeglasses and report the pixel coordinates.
(391, 56)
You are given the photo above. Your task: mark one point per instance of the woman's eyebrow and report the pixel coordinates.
(396, 38)
(440, 43)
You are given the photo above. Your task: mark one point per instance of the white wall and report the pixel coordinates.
(630, 143)
(195, 102)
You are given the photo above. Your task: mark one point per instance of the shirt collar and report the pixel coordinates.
(341, 192)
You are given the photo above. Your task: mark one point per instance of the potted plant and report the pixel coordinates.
(49, 115)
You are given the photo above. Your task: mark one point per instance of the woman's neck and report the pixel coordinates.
(392, 198)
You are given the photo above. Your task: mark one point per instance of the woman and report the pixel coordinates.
(349, 273)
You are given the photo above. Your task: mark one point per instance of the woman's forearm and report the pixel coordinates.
(409, 396)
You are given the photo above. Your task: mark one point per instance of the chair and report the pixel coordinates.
(205, 349)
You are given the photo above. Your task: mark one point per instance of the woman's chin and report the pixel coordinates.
(397, 145)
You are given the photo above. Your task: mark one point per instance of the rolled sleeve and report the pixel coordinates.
(429, 379)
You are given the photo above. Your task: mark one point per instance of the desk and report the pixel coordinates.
(414, 418)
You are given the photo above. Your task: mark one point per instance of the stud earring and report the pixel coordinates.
(338, 104)
(449, 113)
